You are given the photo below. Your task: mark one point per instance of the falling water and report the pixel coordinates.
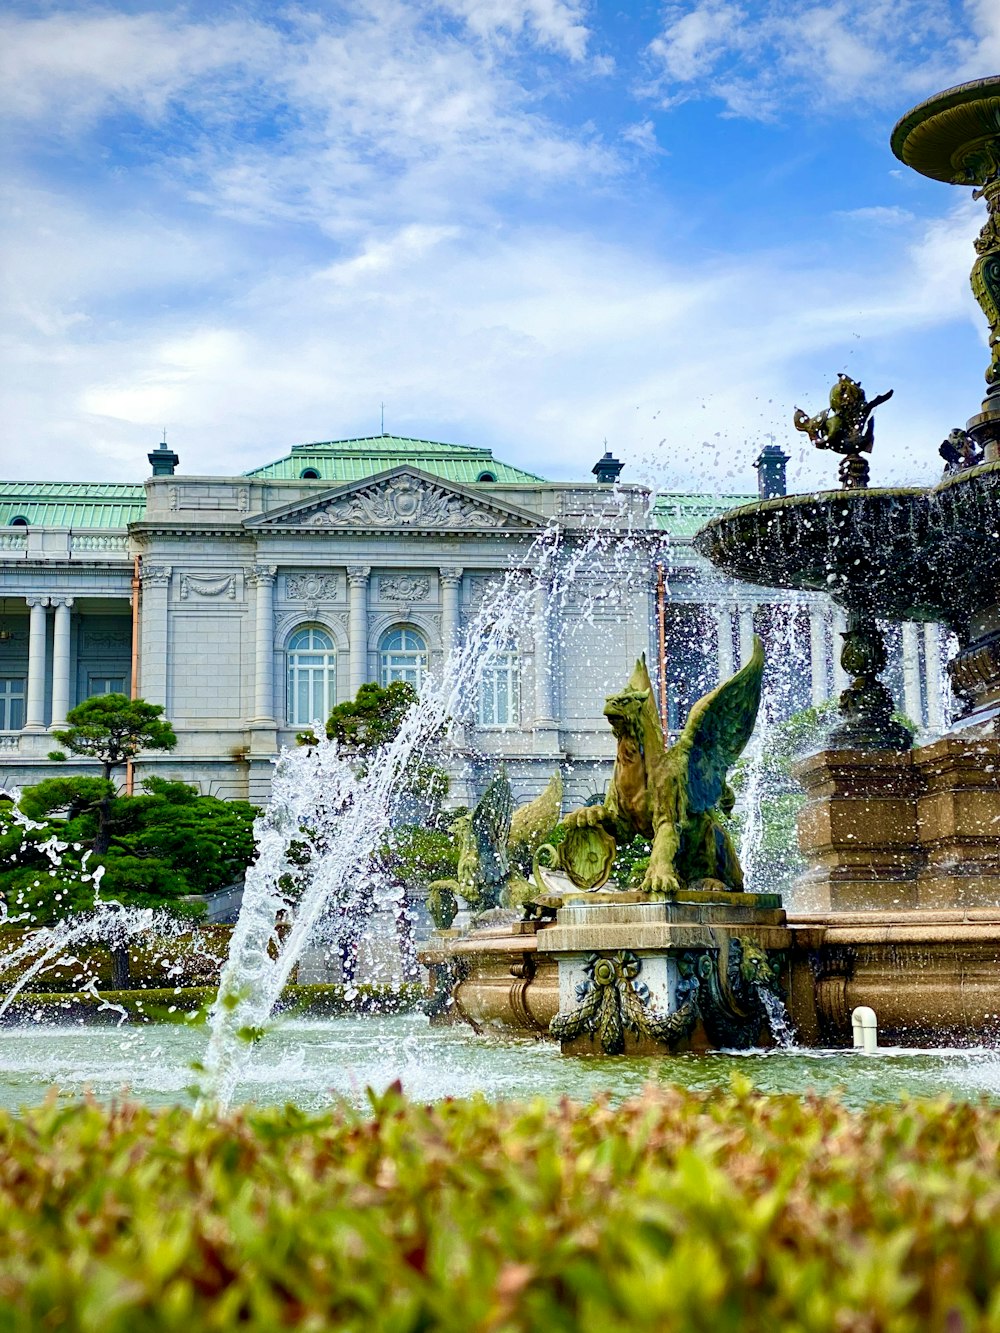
(318, 800)
(778, 1018)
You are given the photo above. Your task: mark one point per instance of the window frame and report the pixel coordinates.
(312, 669)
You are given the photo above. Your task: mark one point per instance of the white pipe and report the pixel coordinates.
(864, 1027)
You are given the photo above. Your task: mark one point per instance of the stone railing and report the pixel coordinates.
(107, 543)
(10, 740)
(13, 541)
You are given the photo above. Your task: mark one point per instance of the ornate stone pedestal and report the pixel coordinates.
(901, 831)
(623, 973)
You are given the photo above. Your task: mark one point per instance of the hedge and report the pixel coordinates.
(175, 1003)
(674, 1211)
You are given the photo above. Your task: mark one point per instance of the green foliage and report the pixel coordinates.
(416, 856)
(112, 729)
(161, 847)
(371, 719)
(676, 1211)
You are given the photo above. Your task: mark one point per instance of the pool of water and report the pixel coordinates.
(312, 1063)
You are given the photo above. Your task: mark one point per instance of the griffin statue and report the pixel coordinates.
(675, 796)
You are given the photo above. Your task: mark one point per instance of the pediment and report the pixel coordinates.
(403, 499)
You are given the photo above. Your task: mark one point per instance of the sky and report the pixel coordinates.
(531, 225)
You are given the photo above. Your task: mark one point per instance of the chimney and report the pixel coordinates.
(607, 469)
(163, 460)
(770, 465)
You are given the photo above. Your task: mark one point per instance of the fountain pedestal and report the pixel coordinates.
(899, 831)
(623, 973)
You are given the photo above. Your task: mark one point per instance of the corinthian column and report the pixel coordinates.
(451, 585)
(154, 628)
(912, 703)
(932, 657)
(357, 625)
(840, 677)
(746, 634)
(262, 577)
(60, 662)
(34, 712)
(544, 668)
(724, 625)
(817, 655)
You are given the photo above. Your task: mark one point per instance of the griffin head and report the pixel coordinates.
(632, 712)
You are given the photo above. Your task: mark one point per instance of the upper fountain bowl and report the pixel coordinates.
(952, 136)
(901, 554)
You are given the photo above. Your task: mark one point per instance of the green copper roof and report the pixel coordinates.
(80, 504)
(353, 460)
(683, 515)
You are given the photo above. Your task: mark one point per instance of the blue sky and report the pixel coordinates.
(527, 224)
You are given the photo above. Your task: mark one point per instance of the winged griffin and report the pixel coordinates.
(673, 796)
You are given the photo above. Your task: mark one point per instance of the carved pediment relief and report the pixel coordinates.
(405, 498)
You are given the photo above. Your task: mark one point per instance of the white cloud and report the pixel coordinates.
(552, 24)
(771, 56)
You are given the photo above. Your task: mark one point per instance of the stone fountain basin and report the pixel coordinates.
(906, 553)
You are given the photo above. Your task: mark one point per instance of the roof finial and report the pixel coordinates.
(165, 435)
(382, 406)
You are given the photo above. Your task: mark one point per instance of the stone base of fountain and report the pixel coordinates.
(901, 831)
(623, 973)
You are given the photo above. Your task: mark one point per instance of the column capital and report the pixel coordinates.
(36, 599)
(60, 601)
(155, 576)
(262, 574)
(358, 574)
(450, 574)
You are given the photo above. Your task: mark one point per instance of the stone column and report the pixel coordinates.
(841, 679)
(545, 717)
(451, 587)
(60, 662)
(912, 703)
(357, 625)
(34, 713)
(817, 655)
(153, 658)
(932, 654)
(724, 623)
(746, 634)
(262, 578)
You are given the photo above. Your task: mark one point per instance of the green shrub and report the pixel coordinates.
(676, 1211)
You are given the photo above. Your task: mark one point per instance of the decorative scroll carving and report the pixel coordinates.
(156, 576)
(312, 587)
(203, 587)
(107, 640)
(404, 588)
(406, 502)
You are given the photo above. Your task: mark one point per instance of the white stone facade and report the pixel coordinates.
(221, 576)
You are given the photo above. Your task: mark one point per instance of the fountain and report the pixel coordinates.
(902, 845)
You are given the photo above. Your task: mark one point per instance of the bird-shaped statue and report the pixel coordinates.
(674, 796)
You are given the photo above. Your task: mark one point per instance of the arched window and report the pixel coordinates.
(486, 476)
(402, 656)
(309, 474)
(500, 692)
(19, 522)
(312, 676)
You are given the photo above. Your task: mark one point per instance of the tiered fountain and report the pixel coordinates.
(903, 845)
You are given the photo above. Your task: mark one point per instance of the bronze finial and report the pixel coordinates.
(846, 427)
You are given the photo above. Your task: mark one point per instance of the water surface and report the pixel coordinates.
(313, 1063)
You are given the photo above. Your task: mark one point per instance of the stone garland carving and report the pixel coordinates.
(204, 587)
(312, 587)
(612, 1001)
(404, 588)
(107, 640)
(403, 502)
(725, 992)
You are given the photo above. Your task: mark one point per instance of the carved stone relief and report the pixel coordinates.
(404, 587)
(312, 587)
(406, 502)
(196, 585)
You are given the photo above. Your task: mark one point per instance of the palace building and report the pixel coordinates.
(248, 606)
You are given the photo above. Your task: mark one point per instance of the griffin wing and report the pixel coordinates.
(491, 828)
(717, 729)
(532, 821)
